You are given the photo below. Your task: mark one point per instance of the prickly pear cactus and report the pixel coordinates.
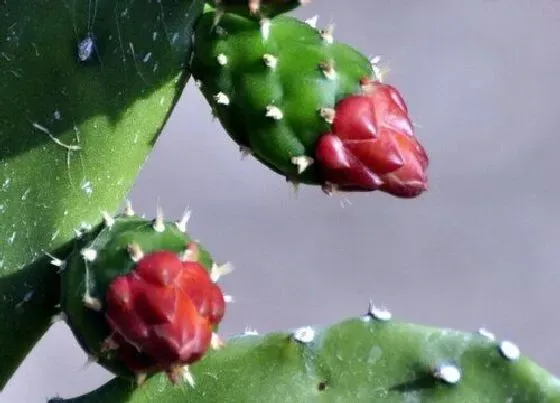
(86, 88)
(367, 359)
(308, 107)
(141, 297)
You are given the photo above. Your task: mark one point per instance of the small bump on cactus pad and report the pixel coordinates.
(366, 359)
(141, 297)
(311, 109)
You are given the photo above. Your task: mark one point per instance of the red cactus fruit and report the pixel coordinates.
(372, 145)
(154, 313)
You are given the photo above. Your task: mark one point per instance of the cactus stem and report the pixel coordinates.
(222, 59)
(89, 254)
(312, 21)
(218, 271)
(158, 224)
(509, 350)
(270, 61)
(274, 112)
(135, 252)
(304, 335)
(328, 70)
(221, 98)
(182, 223)
(91, 302)
(107, 219)
(302, 162)
(328, 114)
(375, 312)
(484, 332)
(128, 210)
(448, 373)
(216, 342)
(265, 28)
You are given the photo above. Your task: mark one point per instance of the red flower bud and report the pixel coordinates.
(372, 145)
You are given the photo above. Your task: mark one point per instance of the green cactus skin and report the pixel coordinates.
(268, 81)
(257, 8)
(105, 254)
(367, 359)
(75, 133)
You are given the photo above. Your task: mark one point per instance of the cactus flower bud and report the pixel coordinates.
(372, 145)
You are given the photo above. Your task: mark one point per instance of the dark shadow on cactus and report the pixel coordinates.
(427, 382)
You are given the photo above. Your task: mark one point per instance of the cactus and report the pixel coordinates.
(366, 359)
(86, 90)
(87, 97)
(308, 107)
(140, 296)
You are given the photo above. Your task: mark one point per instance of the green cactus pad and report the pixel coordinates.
(86, 87)
(369, 359)
(267, 82)
(102, 256)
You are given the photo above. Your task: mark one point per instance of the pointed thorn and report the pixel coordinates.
(228, 299)
(250, 332)
(191, 253)
(89, 254)
(128, 210)
(294, 185)
(135, 252)
(329, 188)
(245, 152)
(221, 98)
(378, 313)
(158, 224)
(304, 335)
(274, 112)
(218, 271)
(265, 28)
(270, 61)
(109, 345)
(107, 219)
(182, 223)
(59, 317)
(91, 359)
(141, 378)
(216, 342)
(327, 34)
(328, 114)
(302, 162)
(328, 70)
(486, 333)
(187, 375)
(312, 22)
(222, 59)
(92, 303)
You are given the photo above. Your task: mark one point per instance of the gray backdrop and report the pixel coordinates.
(479, 249)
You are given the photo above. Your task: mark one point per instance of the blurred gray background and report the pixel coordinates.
(481, 248)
